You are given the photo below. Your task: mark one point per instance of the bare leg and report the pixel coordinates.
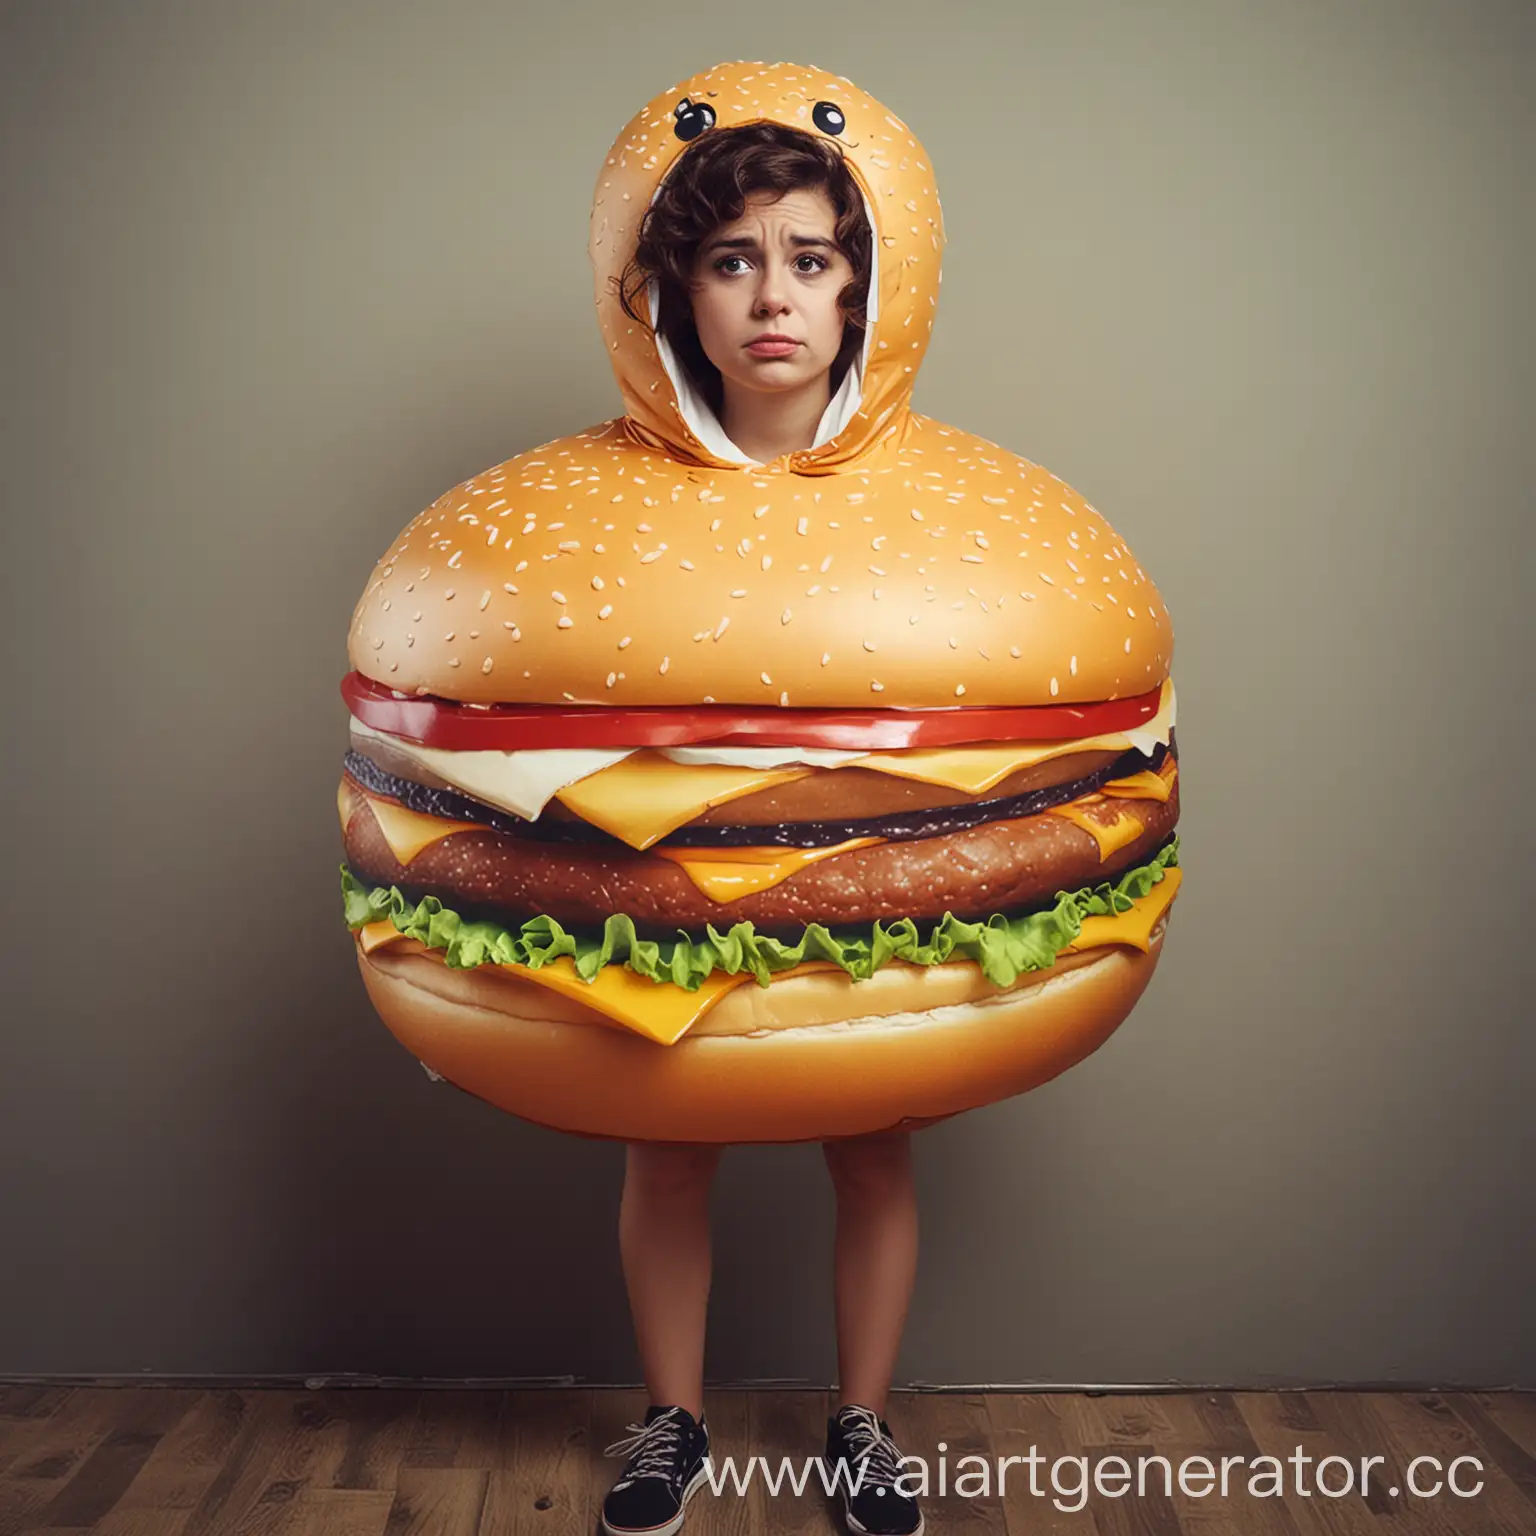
(876, 1259)
(664, 1243)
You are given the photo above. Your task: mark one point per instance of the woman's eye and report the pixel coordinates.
(817, 262)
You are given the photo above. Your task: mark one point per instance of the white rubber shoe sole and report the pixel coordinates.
(668, 1527)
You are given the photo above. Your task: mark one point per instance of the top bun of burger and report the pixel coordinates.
(596, 571)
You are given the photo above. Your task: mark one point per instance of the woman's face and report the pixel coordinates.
(773, 271)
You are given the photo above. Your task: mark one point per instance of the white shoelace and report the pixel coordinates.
(655, 1447)
(868, 1443)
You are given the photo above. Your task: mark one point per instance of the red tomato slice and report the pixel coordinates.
(461, 727)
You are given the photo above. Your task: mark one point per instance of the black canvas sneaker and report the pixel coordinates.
(665, 1469)
(859, 1441)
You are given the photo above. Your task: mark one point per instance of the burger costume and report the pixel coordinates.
(695, 799)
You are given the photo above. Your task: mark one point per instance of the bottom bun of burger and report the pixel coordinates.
(813, 1056)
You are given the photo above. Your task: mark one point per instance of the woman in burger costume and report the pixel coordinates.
(756, 251)
(951, 881)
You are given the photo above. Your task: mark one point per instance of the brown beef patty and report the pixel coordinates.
(1000, 866)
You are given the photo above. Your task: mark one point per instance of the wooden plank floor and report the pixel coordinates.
(184, 1461)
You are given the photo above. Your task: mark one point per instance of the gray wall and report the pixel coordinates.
(1250, 276)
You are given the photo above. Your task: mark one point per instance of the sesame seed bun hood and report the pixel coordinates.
(691, 798)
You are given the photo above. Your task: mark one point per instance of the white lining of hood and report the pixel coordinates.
(841, 408)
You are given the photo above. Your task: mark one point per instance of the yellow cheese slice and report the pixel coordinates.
(1134, 926)
(658, 1010)
(1125, 828)
(724, 874)
(973, 770)
(374, 936)
(408, 832)
(665, 1013)
(646, 796)
(1145, 785)
(968, 769)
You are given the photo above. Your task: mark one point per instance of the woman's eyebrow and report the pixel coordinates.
(747, 243)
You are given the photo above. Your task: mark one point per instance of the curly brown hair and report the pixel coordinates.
(709, 187)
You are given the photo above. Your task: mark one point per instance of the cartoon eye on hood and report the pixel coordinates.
(901, 202)
(828, 116)
(692, 118)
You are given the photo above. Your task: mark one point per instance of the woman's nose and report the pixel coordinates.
(770, 293)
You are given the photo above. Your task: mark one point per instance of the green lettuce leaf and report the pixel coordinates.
(1004, 947)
